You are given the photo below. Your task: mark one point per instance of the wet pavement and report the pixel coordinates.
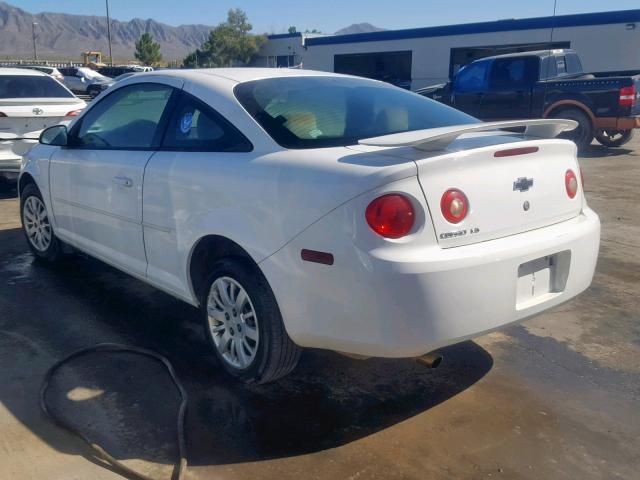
(555, 397)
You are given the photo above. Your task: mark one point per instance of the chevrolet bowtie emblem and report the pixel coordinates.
(523, 184)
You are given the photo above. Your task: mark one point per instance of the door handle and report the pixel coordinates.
(124, 181)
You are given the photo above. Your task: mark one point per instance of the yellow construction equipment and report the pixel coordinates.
(92, 60)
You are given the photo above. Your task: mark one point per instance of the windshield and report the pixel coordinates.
(314, 112)
(31, 86)
(92, 74)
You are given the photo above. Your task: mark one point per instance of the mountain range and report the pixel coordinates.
(359, 28)
(66, 36)
(62, 36)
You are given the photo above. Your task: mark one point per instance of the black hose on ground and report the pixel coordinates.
(181, 466)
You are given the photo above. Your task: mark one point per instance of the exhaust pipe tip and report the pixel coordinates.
(431, 359)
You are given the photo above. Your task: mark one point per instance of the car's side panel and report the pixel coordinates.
(259, 201)
(36, 165)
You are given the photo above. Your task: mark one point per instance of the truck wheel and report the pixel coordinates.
(244, 325)
(36, 225)
(582, 136)
(614, 138)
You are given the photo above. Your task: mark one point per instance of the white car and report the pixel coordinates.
(30, 101)
(79, 79)
(52, 71)
(309, 209)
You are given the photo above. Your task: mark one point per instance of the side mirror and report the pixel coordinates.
(82, 79)
(56, 136)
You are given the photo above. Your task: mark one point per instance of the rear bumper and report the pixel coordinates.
(377, 305)
(11, 153)
(625, 123)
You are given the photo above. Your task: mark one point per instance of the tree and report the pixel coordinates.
(148, 51)
(229, 44)
(292, 29)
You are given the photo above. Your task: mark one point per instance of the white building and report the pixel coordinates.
(606, 42)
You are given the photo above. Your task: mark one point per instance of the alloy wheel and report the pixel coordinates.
(36, 223)
(233, 322)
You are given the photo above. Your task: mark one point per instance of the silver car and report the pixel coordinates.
(78, 79)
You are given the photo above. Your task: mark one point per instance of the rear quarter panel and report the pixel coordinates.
(260, 200)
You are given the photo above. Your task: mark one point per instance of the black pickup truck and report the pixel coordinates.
(546, 84)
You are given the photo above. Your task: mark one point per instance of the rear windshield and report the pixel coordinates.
(314, 112)
(31, 86)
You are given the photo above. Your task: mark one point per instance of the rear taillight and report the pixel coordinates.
(391, 216)
(73, 113)
(454, 205)
(571, 183)
(627, 96)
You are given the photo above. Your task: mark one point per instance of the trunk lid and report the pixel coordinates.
(506, 194)
(26, 118)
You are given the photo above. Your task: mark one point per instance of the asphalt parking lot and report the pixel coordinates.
(555, 397)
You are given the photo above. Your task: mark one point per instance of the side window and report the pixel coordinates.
(513, 73)
(573, 63)
(549, 69)
(472, 78)
(194, 126)
(561, 65)
(126, 119)
(68, 72)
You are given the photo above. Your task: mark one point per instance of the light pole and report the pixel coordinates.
(109, 34)
(33, 34)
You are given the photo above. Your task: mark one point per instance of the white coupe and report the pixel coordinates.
(309, 209)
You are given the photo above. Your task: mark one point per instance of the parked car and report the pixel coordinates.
(114, 71)
(52, 71)
(363, 218)
(95, 89)
(79, 79)
(119, 78)
(547, 84)
(30, 101)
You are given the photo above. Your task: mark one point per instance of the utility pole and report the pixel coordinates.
(109, 34)
(33, 34)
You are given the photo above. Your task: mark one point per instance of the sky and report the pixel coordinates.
(275, 16)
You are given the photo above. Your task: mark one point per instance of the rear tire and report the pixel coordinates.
(582, 136)
(614, 138)
(36, 225)
(243, 324)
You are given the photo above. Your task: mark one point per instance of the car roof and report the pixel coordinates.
(21, 71)
(242, 74)
(533, 53)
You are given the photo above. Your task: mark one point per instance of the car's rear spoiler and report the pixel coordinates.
(439, 138)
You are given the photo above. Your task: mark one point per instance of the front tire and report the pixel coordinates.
(244, 325)
(582, 136)
(614, 138)
(36, 225)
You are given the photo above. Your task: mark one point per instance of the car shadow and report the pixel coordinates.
(8, 188)
(127, 403)
(598, 151)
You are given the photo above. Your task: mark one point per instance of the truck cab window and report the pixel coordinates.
(471, 78)
(509, 73)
